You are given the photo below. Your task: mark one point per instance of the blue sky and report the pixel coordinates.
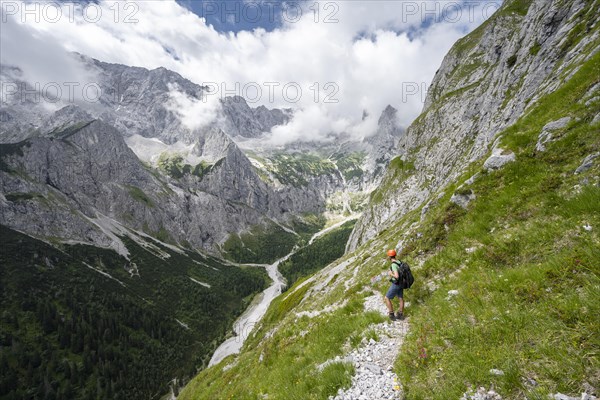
(238, 15)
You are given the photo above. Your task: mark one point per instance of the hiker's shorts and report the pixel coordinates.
(395, 290)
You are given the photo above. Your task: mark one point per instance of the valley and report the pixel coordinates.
(156, 245)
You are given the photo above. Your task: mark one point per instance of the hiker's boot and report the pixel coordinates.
(392, 316)
(400, 316)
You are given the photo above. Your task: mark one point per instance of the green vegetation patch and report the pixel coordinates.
(66, 331)
(264, 244)
(70, 130)
(319, 254)
(11, 149)
(138, 194)
(519, 7)
(297, 169)
(535, 49)
(350, 165)
(261, 245)
(398, 171)
(528, 299)
(18, 197)
(175, 167)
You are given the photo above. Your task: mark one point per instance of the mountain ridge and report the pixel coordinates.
(517, 64)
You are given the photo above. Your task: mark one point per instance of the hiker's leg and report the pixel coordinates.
(388, 299)
(389, 305)
(401, 300)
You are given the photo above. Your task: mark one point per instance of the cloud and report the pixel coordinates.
(45, 65)
(336, 61)
(193, 113)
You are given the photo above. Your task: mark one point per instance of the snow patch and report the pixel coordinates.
(200, 283)
(150, 149)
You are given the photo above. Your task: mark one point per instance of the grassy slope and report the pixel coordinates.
(529, 296)
(529, 287)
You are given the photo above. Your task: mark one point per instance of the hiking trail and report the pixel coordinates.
(374, 359)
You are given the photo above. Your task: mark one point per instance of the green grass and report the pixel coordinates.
(519, 7)
(398, 171)
(535, 49)
(284, 366)
(529, 296)
(138, 194)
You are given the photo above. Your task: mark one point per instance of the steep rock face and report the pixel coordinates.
(227, 195)
(382, 145)
(136, 101)
(66, 184)
(525, 50)
(20, 114)
(340, 174)
(242, 120)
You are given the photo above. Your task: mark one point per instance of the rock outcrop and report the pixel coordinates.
(525, 50)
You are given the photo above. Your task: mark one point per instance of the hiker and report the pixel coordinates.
(395, 288)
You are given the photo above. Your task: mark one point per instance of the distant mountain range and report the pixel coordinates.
(131, 156)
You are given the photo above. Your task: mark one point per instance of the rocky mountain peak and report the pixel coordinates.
(387, 115)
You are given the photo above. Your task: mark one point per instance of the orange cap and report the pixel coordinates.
(391, 253)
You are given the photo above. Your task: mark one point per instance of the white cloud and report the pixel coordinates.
(378, 53)
(193, 113)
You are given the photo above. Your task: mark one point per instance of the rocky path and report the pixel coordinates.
(374, 360)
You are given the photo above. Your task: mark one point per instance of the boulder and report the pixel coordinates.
(587, 163)
(498, 159)
(546, 134)
(463, 199)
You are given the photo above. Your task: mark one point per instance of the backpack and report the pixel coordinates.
(405, 276)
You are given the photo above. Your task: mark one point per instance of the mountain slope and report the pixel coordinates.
(195, 183)
(85, 172)
(485, 83)
(505, 254)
